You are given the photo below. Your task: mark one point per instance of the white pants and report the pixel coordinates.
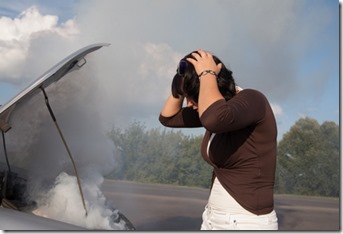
(224, 213)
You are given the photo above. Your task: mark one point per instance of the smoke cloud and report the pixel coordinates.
(63, 203)
(261, 41)
(36, 152)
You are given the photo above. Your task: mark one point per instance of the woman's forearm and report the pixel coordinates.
(208, 93)
(172, 106)
(207, 70)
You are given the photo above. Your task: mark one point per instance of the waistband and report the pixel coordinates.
(244, 218)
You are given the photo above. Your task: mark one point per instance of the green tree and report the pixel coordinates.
(308, 159)
(155, 156)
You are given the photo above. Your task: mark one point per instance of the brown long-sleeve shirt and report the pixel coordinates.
(243, 151)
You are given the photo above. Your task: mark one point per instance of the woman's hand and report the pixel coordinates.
(204, 62)
(208, 91)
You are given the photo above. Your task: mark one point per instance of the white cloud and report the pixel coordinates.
(18, 34)
(265, 44)
(277, 109)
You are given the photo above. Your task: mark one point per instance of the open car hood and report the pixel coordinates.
(70, 63)
(17, 117)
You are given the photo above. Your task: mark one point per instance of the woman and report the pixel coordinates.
(239, 142)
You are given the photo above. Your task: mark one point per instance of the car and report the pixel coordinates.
(31, 161)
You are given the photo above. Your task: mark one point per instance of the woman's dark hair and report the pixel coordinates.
(188, 83)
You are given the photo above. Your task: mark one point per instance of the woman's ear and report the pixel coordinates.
(219, 66)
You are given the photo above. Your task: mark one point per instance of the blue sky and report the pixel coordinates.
(287, 49)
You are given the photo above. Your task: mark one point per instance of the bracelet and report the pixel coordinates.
(207, 72)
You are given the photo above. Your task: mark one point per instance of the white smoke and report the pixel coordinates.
(146, 44)
(35, 146)
(63, 203)
(132, 77)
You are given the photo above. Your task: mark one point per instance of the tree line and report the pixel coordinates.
(308, 160)
(158, 156)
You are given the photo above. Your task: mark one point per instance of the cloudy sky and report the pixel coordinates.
(288, 49)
